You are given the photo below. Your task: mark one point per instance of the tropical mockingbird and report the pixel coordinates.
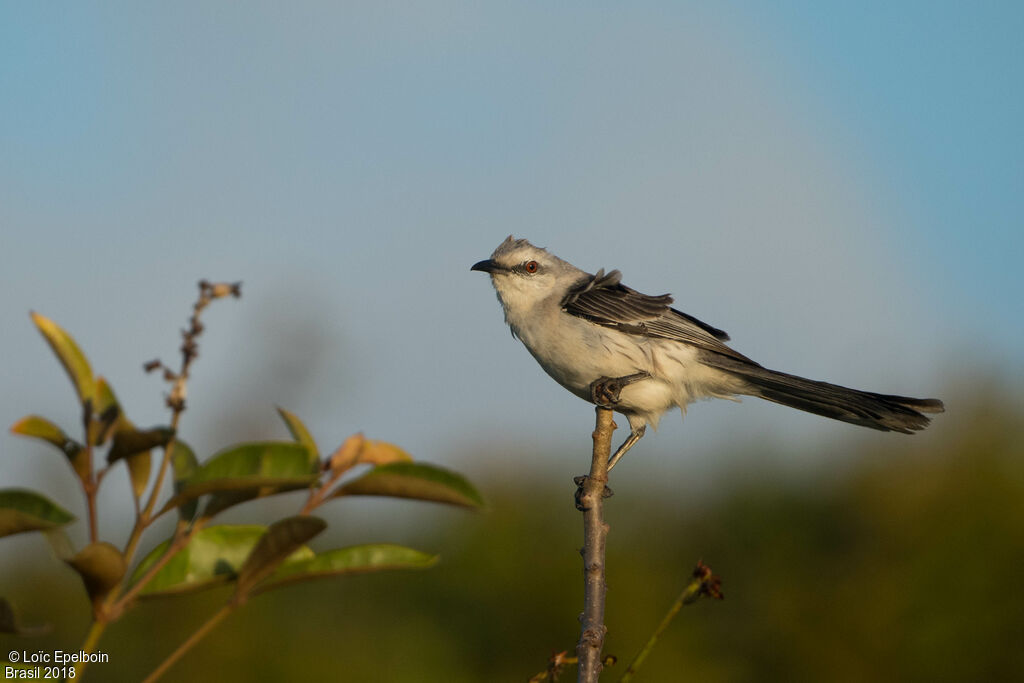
(618, 348)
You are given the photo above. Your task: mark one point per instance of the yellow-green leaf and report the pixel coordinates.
(139, 466)
(108, 412)
(382, 453)
(70, 356)
(357, 450)
(101, 567)
(282, 539)
(105, 396)
(40, 428)
(414, 480)
(299, 432)
(359, 559)
(22, 510)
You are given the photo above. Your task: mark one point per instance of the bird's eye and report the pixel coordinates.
(531, 266)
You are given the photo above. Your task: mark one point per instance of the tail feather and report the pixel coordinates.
(884, 412)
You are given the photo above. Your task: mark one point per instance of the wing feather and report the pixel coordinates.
(604, 300)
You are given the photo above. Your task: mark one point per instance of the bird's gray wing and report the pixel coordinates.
(604, 300)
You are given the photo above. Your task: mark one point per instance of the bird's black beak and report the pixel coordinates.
(488, 266)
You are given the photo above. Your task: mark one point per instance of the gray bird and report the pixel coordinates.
(615, 347)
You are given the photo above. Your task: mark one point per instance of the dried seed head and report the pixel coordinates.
(222, 289)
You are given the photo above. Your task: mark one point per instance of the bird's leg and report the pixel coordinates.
(604, 391)
(630, 441)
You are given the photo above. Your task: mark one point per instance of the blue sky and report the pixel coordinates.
(838, 185)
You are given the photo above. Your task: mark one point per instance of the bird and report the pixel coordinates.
(637, 355)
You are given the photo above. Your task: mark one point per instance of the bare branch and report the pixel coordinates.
(590, 500)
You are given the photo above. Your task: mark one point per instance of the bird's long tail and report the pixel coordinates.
(884, 412)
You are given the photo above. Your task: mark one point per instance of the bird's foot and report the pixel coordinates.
(605, 391)
(580, 482)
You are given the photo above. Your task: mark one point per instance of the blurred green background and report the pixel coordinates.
(899, 563)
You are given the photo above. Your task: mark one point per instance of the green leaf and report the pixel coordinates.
(282, 539)
(9, 622)
(101, 567)
(184, 462)
(108, 412)
(414, 480)
(213, 557)
(252, 465)
(22, 510)
(70, 356)
(134, 446)
(300, 433)
(59, 542)
(359, 559)
(247, 471)
(129, 441)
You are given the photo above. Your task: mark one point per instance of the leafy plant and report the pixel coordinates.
(200, 555)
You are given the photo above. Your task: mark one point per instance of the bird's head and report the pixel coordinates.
(524, 275)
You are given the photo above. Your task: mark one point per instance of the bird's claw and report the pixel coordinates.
(605, 391)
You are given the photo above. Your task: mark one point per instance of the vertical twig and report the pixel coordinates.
(590, 499)
(702, 583)
(90, 500)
